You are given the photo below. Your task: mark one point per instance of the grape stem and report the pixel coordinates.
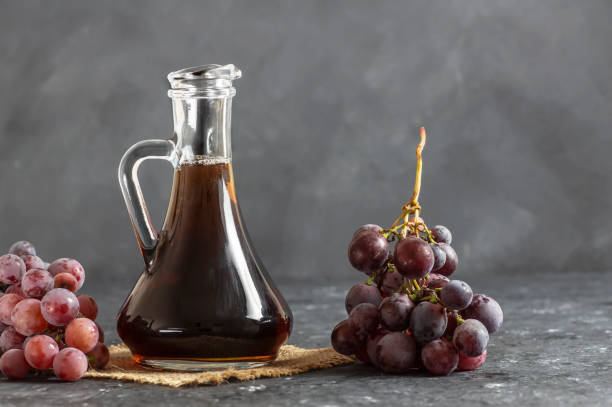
(416, 226)
(414, 200)
(412, 207)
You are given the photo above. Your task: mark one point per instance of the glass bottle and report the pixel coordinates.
(204, 300)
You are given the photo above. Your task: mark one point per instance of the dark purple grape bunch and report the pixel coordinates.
(44, 324)
(409, 315)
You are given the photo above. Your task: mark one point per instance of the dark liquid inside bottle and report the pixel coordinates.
(204, 296)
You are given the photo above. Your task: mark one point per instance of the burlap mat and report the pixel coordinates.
(291, 360)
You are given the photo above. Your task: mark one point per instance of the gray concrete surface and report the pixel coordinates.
(552, 350)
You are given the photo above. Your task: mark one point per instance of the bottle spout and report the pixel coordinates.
(205, 81)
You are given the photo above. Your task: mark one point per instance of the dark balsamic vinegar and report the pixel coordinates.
(204, 295)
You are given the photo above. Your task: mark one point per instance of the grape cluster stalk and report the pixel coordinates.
(44, 324)
(408, 314)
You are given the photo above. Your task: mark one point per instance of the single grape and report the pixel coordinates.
(14, 365)
(40, 351)
(396, 353)
(360, 293)
(12, 269)
(441, 234)
(450, 326)
(391, 282)
(99, 356)
(485, 309)
(456, 295)
(471, 338)
(82, 333)
(36, 283)
(7, 303)
(450, 265)
(364, 319)
(373, 339)
(60, 306)
(436, 281)
(16, 289)
(26, 317)
(88, 307)
(366, 229)
(33, 262)
(10, 339)
(439, 257)
(428, 321)
(467, 363)
(65, 265)
(22, 248)
(413, 257)
(344, 340)
(70, 364)
(395, 312)
(67, 281)
(439, 357)
(100, 333)
(368, 252)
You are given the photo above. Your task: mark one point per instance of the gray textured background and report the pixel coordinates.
(516, 97)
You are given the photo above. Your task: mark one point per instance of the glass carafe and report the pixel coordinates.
(204, 300)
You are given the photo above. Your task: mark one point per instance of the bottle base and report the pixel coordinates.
(202, 365)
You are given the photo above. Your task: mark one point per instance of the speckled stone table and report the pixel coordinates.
(553, 350)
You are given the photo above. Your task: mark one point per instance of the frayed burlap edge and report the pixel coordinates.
(291, 360)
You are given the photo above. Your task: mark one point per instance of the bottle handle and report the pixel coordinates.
(130, 187)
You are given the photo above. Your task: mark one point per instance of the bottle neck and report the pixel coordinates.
(202, 129)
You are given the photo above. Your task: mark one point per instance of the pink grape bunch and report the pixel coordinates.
(409, 315)
(44, 324)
